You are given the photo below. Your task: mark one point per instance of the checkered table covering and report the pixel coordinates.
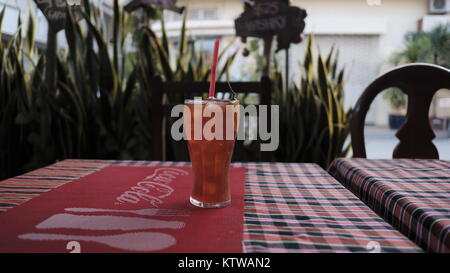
(288, 207)
(412, 195)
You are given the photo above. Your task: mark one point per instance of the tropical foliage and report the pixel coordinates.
(397, 99)
(17, 97)
(314, 124)
(425, 47)
(101, 105)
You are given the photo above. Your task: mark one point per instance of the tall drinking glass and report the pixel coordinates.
(211, 128)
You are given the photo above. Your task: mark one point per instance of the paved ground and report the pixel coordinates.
(380, 143)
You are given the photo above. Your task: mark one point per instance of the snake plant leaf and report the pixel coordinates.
(30, 36)
(329, 58)
(226, 48)
(308, 59)
(190, 75)
(183, 47)
(162, 54)
(108, 74)
(146, 63)
(130, 87)
(334, 65)
(322, 79)
(116, 34)
(2, 16)
(183, 36)
(341, 77)
(165, 40)
(227, 65)
(19, 38)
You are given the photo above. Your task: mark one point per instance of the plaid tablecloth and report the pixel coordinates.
(412, 195)
(288, 207)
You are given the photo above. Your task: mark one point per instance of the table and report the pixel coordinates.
(412, 195)
(288, 207)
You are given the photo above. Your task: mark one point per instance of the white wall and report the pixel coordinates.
(379, 32)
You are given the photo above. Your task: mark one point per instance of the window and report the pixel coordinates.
(171, 16)
(210, 14)
(205, 45)
(193, 14)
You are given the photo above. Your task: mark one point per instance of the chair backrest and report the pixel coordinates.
(419, 82)
(178, 91)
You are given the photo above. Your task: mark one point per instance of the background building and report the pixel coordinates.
(366, 32)
(22, 8)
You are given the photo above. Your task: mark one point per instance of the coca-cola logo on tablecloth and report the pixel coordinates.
(153, 189)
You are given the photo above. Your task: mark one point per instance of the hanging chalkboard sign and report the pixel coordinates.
(55, 11)
(164, 4)
(267, 18)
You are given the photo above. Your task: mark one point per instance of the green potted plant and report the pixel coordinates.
(427, 47)
(397, 100)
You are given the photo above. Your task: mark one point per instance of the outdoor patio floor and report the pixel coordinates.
(380, 143)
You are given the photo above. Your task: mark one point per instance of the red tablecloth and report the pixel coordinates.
(126, 208)
(287, 207)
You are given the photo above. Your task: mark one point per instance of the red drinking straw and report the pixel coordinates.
(212, 87)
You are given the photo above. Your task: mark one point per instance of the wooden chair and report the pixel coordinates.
(419, 82)
(188, 90)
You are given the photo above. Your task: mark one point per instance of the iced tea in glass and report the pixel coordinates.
(211, 128)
